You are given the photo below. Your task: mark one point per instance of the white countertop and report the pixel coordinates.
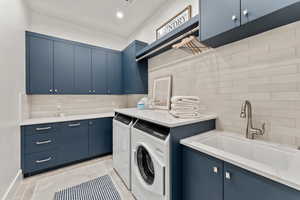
(163, 117)
(65, 118)
(274, 161)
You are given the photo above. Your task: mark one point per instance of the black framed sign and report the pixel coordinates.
(174, 22)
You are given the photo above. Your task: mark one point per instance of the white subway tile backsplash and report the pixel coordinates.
(51, 106)
(264, 69)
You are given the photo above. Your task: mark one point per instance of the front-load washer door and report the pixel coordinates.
(149, 170)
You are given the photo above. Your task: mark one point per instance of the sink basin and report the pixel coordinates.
(257, 151)
(277, 162)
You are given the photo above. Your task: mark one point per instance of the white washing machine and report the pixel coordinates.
(122, 147)
(150, 161)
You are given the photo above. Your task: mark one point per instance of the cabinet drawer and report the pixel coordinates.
(39, 161)
(40, 129)
(40, 142)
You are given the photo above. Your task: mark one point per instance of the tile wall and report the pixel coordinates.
(36, 106)
(264, 69)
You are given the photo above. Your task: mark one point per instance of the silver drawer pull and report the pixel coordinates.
(44, 142)
(74, 125)
(43, 161)
(43, 129)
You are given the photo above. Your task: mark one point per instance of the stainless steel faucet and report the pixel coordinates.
(246, 112)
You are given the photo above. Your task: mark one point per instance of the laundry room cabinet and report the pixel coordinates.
(222, 22)
(135, 73)
(58, 66)
(63, 68)
(100, 136)
(202, 176)
(47, 146)
(206, 177)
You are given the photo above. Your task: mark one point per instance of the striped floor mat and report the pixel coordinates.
(101, 188)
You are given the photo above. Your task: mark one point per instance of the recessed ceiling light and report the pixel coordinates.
(120, 15)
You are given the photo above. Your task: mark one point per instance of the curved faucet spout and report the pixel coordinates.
(246, 112)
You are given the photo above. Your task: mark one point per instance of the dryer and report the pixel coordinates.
(150, 161)
(122, 147)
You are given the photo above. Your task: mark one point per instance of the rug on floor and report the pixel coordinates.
(101, 188)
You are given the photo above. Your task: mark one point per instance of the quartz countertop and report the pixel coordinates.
(277, 162)
(162, 117)
(47, 120)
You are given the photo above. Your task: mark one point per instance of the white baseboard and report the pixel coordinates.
(13, 186)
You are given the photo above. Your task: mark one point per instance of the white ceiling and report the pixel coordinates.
(100, 14)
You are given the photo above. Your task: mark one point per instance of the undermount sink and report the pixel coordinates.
(278, 162)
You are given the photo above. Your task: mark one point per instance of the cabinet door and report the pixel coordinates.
(202, 176)
(241, 184)
(128, 70)
(217, 17)
(141, 86)
(83, 70)
(253, 9)
(74, 141)
(99, 71)
(63, 68)
(114, 64)
(100, 137)
(39, 65)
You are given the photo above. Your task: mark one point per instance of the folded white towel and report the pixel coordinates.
(185, 99)
(184, 106)
(185, 115)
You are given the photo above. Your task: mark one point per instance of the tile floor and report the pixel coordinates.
(44, 186)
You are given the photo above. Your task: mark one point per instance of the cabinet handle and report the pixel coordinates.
(245, 12)
(43, 129)
(233, 18)
(74, 125)
(43, 142)
(216, 170)
(227, 175)
(43, 161)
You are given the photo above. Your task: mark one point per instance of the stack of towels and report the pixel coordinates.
(185, 107)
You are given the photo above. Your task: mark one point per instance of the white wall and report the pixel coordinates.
(146, 32)
(60, 28)
(12, 82)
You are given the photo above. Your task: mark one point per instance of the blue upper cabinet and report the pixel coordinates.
(99, 71)
(223, 22)
(83, 70)
(135, 74)
(114, 72)
(58, 66)
(63, 68)
(39, 65)
(254, 9)
(218, 17)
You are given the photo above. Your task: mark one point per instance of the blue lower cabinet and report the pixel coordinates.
(100, 137)
(46, 146)
(242, 184)
(207, 178)
(74, 141)
(202, 176)
(39, 161)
